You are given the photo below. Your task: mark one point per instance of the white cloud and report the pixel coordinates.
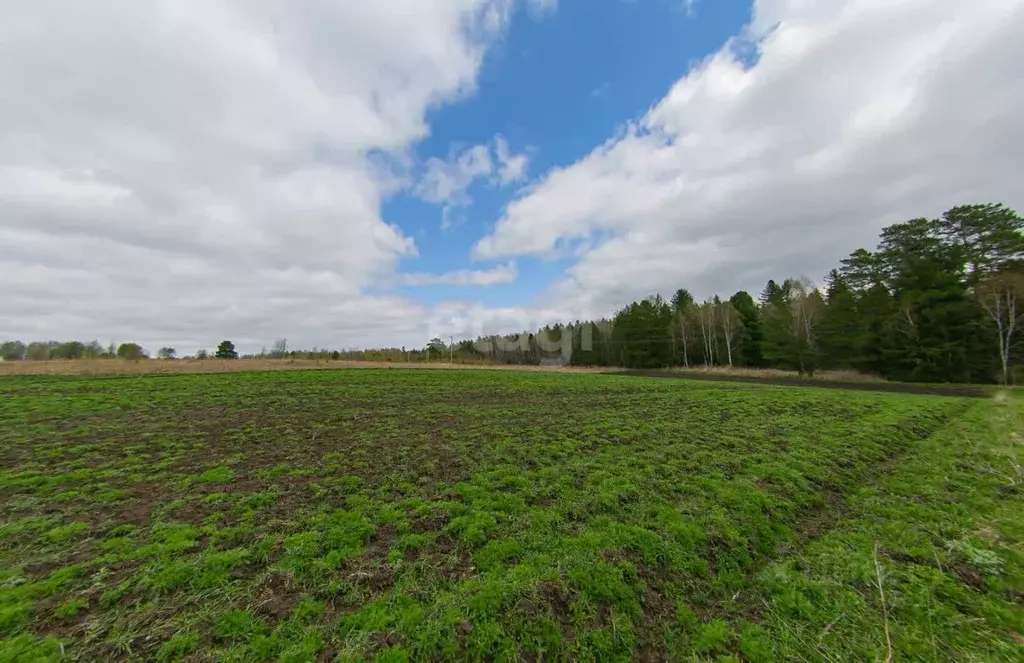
(447, 181)
(469, 320)
(540, 8)
(856, 114)
(482, 277)
(511, 167)
(176, 172)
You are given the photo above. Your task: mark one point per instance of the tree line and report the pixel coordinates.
(44, 350)
(47, 350)
(937, 300)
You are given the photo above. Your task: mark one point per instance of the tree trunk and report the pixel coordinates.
(709, 355)
(1004, 358)
(683, 334)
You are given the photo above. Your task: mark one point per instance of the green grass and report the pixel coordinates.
(430, 515)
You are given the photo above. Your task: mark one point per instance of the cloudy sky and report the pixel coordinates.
(357, 174)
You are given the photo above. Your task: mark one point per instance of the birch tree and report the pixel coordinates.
(729, 319)
(1000, 296)
(682, 328)
(706, 318)
(807, 306)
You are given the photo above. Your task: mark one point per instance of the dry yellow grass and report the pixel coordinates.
(158, 366)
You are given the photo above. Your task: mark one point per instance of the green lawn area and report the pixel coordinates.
(495, 515)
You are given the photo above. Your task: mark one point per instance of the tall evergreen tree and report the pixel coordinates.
(935, 318)
(861, 270)
(682, 300)
(641, 332)
(777, 317)
(842, 330)
(876, 313)
(751, 337)
(989, 236)
(771, 290)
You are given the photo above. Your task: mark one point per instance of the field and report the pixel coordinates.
(107, 367)
(503, 515)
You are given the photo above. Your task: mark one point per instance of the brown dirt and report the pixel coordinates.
(432, 523)
(370, 570)
(277, 596)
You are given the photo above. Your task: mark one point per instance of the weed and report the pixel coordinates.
(64, 533)
(238, 625)
(169, 576)
(178, 647)
(25, 648)
(70, 608)
(220, 474)
(14, 617)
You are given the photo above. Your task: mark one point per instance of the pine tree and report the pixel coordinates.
(989, 236)
(771, 290)
(935, 318)
(842, 331)
(778, 323)
(226, 350)
(751, 337)
(876, 313)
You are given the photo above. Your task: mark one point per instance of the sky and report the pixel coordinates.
(373, 174)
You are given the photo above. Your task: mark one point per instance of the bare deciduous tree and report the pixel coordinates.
(683, 330)
(706, 318)
(807, 306)
(1000, 296)
(729, 319)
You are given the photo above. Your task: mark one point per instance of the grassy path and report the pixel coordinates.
(927, 566)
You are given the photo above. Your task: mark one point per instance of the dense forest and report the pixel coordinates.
(938, 300)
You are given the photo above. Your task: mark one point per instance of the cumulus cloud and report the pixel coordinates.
(175, 169)
(791, 146)
(447, 181)
(501, 274)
